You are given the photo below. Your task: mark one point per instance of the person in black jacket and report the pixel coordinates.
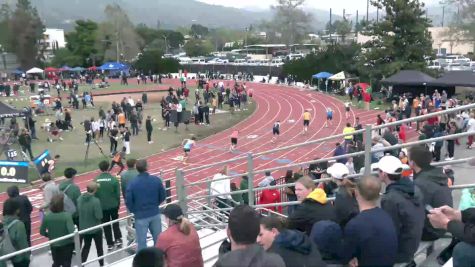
(314, 207)
(25, 142)
(25, 209)
(461, 224)
(149, 129)
(433, 184)
(295, 248)
(403, 202)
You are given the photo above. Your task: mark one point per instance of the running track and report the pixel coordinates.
(273, 103)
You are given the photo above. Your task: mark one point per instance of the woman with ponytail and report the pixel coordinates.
(180, 242)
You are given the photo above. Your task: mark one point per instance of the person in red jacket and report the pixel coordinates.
(269, 196)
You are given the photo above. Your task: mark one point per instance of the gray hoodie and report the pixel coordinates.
(49, 190)
(252, 256)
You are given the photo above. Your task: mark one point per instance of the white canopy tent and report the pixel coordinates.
(338, 77)
(35, 71)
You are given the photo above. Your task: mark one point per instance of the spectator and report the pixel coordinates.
(461, 224)
(69, 188)
(49, 190)
(271, 196)
(25, 209)
(369, 238)
(109, 195)
(180, 242)
(378, 143)
(16, 231)
(148, 257)
(345, 204)
(340, 151)
(433, 184)
(25, 142)
(219, 185)
(314, 206)
(144, 194)
(471, 129)
(327, 235)
(56, 224)
(244, 185)
(467, 200)
(348, 138)
(90, 215)
(403, 202)
(267, 180)
(237, 198)
(290, 191)
(295, 248)
(244, 250)
(128, 176)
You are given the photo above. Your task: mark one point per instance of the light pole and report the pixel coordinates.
(4, 54)
(166, 43)
(245, 41)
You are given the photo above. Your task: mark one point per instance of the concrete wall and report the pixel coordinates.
(227, 68)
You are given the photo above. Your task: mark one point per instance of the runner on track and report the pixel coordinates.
(275, 131)
(347, 109)
(329, 117)
(234, 140)
(188, 144)
(306, 120)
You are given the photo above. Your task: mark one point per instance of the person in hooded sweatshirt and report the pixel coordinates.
(314, 207)
(25, 209)
(90, 215)
(433, 184)
(243, 229)
(403, 202)
(16, 231)
(295, 248)
(345, 203)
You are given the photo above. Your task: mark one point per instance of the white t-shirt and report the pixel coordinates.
(471, 125)
(220, 187)
(179, 108)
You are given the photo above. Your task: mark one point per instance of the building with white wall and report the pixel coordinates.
(53, 39)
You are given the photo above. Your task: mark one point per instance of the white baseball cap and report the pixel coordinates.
(338, 170)
(390, 165)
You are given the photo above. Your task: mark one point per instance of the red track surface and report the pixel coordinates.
(273, 103)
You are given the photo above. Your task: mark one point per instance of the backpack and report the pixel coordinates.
(68, 202)
(6, 245)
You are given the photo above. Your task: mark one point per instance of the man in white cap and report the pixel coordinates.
(403, 202)
(346, 206)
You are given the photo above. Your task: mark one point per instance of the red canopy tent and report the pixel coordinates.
(93, 68)
(51, 69)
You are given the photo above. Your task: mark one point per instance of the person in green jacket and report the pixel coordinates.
(16, 231)
(90, 215)
(109, 195)
(56, 224)
(69, 188)
(467, 200)
(244, 186)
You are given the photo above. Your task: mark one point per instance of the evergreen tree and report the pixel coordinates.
(26, 30)
(401, 40)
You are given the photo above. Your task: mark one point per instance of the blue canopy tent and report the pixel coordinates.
(18, 72)
(114, 68)
(77, 69)
(320, 76)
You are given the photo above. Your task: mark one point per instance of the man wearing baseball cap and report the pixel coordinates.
(403, 202)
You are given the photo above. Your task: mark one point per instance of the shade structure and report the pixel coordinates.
(409, 77)
(322, 75)
(455, 78)
(338, 77)
(7, 111)
(362, 85)
(18, 72)
(34, 71)
(93, 68)
(66, 68)
(113, 66)
(77, 69)
(51, 69)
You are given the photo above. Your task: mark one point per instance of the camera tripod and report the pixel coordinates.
(87, 149)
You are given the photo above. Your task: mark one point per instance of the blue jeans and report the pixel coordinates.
(142, 226)
(464, 255)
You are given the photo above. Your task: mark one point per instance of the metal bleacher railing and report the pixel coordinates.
(199, 203)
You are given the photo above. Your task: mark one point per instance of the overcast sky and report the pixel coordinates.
(320, 4)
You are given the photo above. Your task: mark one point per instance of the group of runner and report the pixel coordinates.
(188, 144)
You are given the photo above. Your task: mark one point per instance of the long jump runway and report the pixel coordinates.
(273, 103)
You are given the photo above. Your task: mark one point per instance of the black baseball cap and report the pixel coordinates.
(173, 212)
